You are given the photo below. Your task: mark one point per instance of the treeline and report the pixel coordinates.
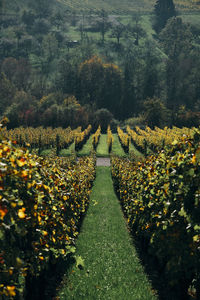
(48, 79)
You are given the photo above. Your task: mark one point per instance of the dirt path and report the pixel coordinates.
(103, 161)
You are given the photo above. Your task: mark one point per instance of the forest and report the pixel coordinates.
(73, 64)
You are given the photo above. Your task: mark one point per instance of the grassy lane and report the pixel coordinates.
(111, 266)
(134, 150)
(116, 147)
(69, 151)
(102, 148)
(87, 148)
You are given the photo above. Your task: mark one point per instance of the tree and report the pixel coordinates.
(28, 18)
(177, 42)
(22, 74)
(164, 9)
(19, 32)
(103, 24)
(136, 31)
(91, 80)
(102, 117)
(57, 19)
(176, 38)
(101, 84)
(67, 77)
(41, 26)
(154, 75)
(7, 92)
(9, 67)
(117, 31)
(6, 47)
(134, 75)
(2, 4)
(26, 44)
(42, 7)
(156, 113)
(21, 109)
(50, 46)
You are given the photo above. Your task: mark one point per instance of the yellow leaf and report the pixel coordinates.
(10, 291)
(5, 148)
(24, 173)
(196, 238)
(29, 185)
(194, 159)
(21, 213)
(3, 212)
(21, 162)
(10, 271)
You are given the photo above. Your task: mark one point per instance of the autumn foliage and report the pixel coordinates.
(41, 204)
(161, 199)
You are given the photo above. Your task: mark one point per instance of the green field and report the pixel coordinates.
(111, 6)
(125, 6)
(117, 6)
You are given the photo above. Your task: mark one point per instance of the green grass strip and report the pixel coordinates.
(102, 148)
(69, 151)
(116, 147)
(87, 147)
(111, 269)
(133, 150)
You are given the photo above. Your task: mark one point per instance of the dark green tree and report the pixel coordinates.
(42, 8)
(117, 32)
(7, 92)
(156, 113)
(181, 64)
(164, 9)
(103, 24)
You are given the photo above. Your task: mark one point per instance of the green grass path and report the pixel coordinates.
(102, 148)
(116, 147)
(111, 267)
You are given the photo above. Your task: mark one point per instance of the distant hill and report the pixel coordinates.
(119, 6)
(114, 6)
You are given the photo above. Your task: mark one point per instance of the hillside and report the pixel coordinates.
(111, 6)
(127, 6)
(67, 63)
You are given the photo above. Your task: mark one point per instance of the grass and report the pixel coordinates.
(125, 6)
(67, 152)
(46, 152)
(102, 148)
(111, 269)
(134, 151)
(87, 147)
(116, 6)
(116, 147)
(193, 19)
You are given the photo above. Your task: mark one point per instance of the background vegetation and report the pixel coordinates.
(67, 63)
